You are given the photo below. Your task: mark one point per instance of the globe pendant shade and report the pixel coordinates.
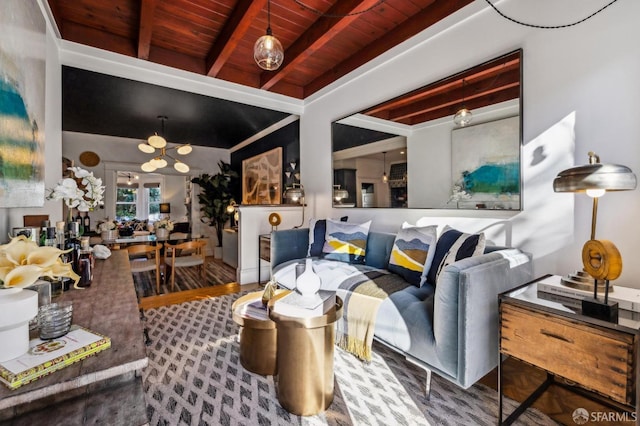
(181, 167)
(463, 117)
(184, 149)
(268, 52)
(158, 162)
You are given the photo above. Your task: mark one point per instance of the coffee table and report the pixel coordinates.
(304, 381)
(257, 338)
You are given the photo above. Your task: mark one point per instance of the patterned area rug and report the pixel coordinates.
(186, 279)
(195, 377)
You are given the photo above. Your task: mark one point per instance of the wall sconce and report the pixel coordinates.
(601, 259)
(294, 194)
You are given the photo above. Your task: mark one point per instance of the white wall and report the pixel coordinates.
(12, 217)
(587, 73)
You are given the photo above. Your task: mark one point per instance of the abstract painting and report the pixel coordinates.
(485, 165)
(262, 178)
(22, 98)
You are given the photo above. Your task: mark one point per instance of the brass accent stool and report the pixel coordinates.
(304, 381)
(257, 338)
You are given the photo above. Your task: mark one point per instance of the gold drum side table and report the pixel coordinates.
(305, 360)
(257, 338)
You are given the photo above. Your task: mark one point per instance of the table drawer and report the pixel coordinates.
(597, 358)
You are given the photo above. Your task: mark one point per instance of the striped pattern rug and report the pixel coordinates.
(186, 279)
(194, 377)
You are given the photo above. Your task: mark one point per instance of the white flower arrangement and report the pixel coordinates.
(23, 262)
(107, 226)
(164, 223)
(85, 197)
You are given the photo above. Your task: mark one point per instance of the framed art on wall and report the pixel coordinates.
(485, 165)
(22, 97)
(262, 178)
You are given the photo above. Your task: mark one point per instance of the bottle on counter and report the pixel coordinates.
(72, 243)
(85, 263)
(86, 223)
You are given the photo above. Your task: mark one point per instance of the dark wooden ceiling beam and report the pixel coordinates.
(147, 12)
(243, 16)
(457, 95)
(450, 110)
(412, 26)
(100, 39)
(316, 36)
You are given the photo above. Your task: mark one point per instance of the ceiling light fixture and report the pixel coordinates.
(158, 161)
(385, 178)
(267, 51)
(463, 116)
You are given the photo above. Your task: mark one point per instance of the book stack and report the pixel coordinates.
(255, 309)
(295, 304)
(46, 356)
(627, 298)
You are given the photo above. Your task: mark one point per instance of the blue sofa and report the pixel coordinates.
(450, 328)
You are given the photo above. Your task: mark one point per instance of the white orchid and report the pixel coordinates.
(23, 262)
(85, 197)
(164, 223)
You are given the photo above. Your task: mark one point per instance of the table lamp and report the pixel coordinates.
(601, 259)
(295, 194)
(165, 208)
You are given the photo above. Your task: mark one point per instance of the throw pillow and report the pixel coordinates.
(454, 245)
(412, 252)
(317, 230)
(346, 241)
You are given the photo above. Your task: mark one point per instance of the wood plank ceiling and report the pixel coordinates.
(216, 37)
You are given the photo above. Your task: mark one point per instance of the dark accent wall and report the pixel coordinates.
(288, 138)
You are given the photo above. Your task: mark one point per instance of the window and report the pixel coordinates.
(126, 202)
(138, 200)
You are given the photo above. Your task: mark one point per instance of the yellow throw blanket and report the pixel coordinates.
(363, 295)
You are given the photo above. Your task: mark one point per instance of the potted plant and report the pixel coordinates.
(216, 193)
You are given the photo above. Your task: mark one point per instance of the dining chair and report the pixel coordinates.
(175, 258)
(145, 257)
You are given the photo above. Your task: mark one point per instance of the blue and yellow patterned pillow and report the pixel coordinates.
(412, 253)
(346, 241)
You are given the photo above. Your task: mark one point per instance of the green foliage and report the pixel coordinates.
(216, 193)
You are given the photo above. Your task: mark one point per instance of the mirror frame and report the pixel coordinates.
(494, 91)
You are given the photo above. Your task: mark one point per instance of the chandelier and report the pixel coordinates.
(158, 142)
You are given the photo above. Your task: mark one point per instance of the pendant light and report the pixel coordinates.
(268, 52)
(463, 116)
(159, 161)
(385, 179)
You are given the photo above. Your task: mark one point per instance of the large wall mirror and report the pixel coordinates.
(409, 153)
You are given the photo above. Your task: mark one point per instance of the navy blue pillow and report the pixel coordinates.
(454, 245)
(317, 229)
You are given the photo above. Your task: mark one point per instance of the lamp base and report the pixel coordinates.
(583, 281)
(595, 308)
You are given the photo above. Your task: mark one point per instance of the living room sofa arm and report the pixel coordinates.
(289, 244)
(466, 309)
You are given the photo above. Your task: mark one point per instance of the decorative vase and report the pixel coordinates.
(17, 307)
(308, 283)
(162, 233)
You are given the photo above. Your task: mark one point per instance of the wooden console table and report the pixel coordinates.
(596, 358)
(104, 388)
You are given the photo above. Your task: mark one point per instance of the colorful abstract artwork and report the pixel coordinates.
(485, 165)
(262, 178)
(22, 98)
